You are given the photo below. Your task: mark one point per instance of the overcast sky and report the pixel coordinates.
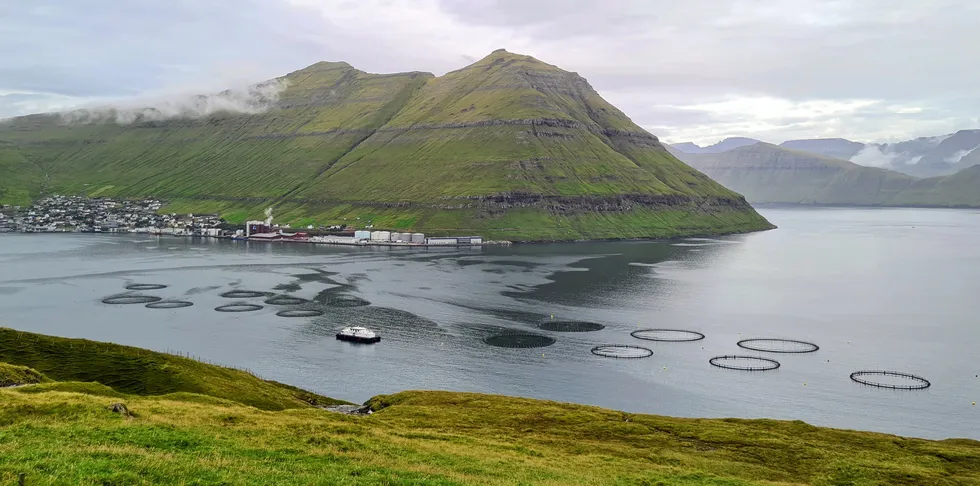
(868, 70)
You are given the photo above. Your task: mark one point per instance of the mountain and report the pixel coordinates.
(837, 148)
(961, 189)
(945, 157)
(726, 144)
(507, 148)
(767, 173)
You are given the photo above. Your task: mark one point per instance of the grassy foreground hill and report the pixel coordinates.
(508, 148)
(63, 432)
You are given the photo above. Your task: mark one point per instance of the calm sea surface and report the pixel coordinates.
(875, 289)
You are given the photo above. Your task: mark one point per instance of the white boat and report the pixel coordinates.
(358, 335)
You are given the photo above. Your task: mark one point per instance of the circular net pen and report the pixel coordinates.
(667, 335)
(238, 308)
(139, 286)
(300, 313)
(131, 299)
(778, 345)
(169, 304)
(744, 363)
(893, 380)
(519, 340)
(243, 294)
(285, 300)
(622, 351)
(346, 301)
(570, 326)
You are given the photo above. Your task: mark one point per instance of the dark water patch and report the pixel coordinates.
(621, 351)
(667, 335)
(336, 298)
(10, 290)
(131, 299)
(559, 325)
(519, 340)
(238, 307)
(243, 294)
(288, 287)
(169, 304)
(285, 300)
(145, 286)
(744, 363)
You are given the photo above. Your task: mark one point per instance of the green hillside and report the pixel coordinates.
(961, 189)
(507, 148)
(66, 432)
(767, 173)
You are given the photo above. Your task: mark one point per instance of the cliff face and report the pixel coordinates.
(508, 147)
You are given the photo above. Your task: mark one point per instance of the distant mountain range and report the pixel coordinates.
(920, 157)
(766, 173)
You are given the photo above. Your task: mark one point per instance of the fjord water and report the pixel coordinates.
(875, 289)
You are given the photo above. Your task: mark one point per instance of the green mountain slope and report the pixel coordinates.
(767, 173)
(961, 189)
(507, 148)
(188, 423)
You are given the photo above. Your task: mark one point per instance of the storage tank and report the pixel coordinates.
(380, 236)
(362, 235)
(418, 238)
(397, 237)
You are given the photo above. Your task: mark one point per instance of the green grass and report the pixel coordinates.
(137, 371)
(63, 433)
(59, 437)
(12, 375)
(344, 143)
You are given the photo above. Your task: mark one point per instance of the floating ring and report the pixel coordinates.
(145, 286)
(299, 313)
(243, 294)
(169, 304)
(238, 307)
(131, 299)
(759, 345)
(285, 300)
(767, 364)
(570, 326)
(622, 351)
(667, 335)
(918, 382)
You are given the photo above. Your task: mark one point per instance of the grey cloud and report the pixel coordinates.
(652, 58)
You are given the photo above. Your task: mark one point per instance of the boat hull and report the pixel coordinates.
(356, 339)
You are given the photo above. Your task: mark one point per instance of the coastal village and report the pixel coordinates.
(78, 214)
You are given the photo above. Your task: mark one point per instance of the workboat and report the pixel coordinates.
(358, 335)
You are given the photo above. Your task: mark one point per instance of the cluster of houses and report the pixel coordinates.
(103, 215)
